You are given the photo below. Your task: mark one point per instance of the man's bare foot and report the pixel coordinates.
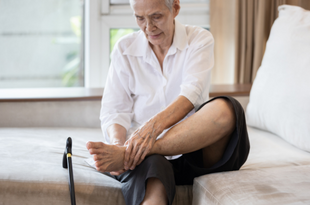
(108, 158)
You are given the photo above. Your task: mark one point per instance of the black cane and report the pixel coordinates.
(67, 162)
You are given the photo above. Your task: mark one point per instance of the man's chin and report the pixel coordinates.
(156, 42)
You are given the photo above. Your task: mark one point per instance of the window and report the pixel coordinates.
(57, 43)
(117, 33)
(41, 43)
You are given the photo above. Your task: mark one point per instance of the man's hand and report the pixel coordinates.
(142, 140)
(140, 144)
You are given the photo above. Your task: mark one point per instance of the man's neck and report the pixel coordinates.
(162, 50)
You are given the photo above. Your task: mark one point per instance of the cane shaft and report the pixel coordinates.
(71, 181)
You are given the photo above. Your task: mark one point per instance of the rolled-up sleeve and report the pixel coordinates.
(117, 103)
(197, 69)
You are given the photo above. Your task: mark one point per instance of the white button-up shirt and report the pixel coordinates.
(137, 88)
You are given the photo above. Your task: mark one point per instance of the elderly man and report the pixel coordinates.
(154, 139)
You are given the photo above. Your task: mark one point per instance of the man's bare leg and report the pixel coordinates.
(155, 193)
(208, 129)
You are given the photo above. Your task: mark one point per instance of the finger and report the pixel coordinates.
(135, 132)
(137, 158)
(127, 155)
(132, 156)
(140, 161)
(126, 143)
(142, 157)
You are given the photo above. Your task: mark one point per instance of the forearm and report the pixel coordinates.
(117, 134)
(143, 139)
(175, 112)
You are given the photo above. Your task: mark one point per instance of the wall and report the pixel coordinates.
(50, 114)
(222, 21)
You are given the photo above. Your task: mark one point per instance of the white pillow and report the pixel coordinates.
(280, 95)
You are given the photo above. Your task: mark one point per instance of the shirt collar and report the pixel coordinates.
(141, 47)
(180, 40)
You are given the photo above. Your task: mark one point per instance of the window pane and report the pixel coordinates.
(40, 43)
(116, 34)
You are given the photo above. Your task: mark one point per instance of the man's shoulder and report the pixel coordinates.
(124, 42)
(198, 36)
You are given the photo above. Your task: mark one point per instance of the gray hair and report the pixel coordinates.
(168, 3)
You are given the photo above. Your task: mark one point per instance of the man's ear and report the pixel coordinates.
(176, 8)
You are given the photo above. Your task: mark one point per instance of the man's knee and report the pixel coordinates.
(225, 117)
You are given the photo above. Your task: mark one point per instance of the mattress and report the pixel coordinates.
(275, 173)
(31, 169)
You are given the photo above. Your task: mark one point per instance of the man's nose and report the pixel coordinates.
(150, 26)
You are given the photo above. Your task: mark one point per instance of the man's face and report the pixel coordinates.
(155, 20)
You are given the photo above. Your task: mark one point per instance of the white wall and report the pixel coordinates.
(50, 114)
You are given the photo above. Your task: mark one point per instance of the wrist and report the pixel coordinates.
(158, 124)
(117, 134)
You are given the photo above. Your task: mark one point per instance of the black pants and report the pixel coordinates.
(183, 170)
